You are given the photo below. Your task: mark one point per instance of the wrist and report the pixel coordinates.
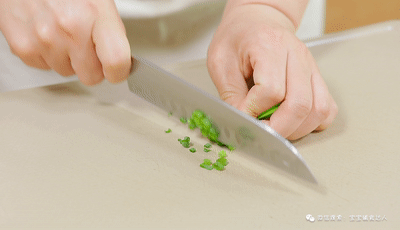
(292, 10)
(256, 13)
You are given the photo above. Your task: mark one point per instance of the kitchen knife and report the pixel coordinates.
(246, 133)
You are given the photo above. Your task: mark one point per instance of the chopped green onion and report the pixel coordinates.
(198, 114)
(205, 124)
(183, 120)
(207, 162)
(168, 131)
(268, 113)
(199, 119)
(222, 154)
(192, 124)
(185, 142)
(213, 135)
(169, 114)
(205, 166)
(223, 161)
(218, 166)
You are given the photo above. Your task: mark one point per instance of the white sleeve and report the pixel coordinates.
(154, 8)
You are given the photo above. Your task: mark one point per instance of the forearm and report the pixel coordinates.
(292, 9)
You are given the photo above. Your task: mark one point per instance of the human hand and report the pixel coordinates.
(82, 37)
(255, 46)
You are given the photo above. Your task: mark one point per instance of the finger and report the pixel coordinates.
(331, 117)
(53, 46)
(76, 23)
(321, 108)
(227, 77)
(112, 46)
(269, 77)
(23, 44)
(298, 101)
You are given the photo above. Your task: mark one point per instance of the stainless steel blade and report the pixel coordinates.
(255, 138)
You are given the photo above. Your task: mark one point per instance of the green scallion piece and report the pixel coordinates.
(205, 166)
(223, 161)
(231, 148)
(200, 120)
(218, 166)
(222, 154)
(183, 120)
(168, 131)
(192, 124)
(268, 113)
(207, 162)
(193, 150)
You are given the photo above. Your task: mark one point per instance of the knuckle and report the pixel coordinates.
(215, 62)
(227, 95)
(322, 109)
(329, 119)
(44, 33)
(76, 21)
(275, 92)
(334, 109)
(69, 23)
(215, 56)
(25, 49)
(230, 95)
(89, 7)
(301, 107)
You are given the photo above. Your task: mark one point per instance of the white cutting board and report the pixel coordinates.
(73, 157)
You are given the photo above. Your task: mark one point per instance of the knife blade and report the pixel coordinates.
(246, 133)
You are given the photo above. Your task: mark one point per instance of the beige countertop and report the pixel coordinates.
(78, 157)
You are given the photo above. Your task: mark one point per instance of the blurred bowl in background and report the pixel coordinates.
(167, 21)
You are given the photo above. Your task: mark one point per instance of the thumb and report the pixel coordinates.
(112, 46)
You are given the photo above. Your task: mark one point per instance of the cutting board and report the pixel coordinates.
(79, 157)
